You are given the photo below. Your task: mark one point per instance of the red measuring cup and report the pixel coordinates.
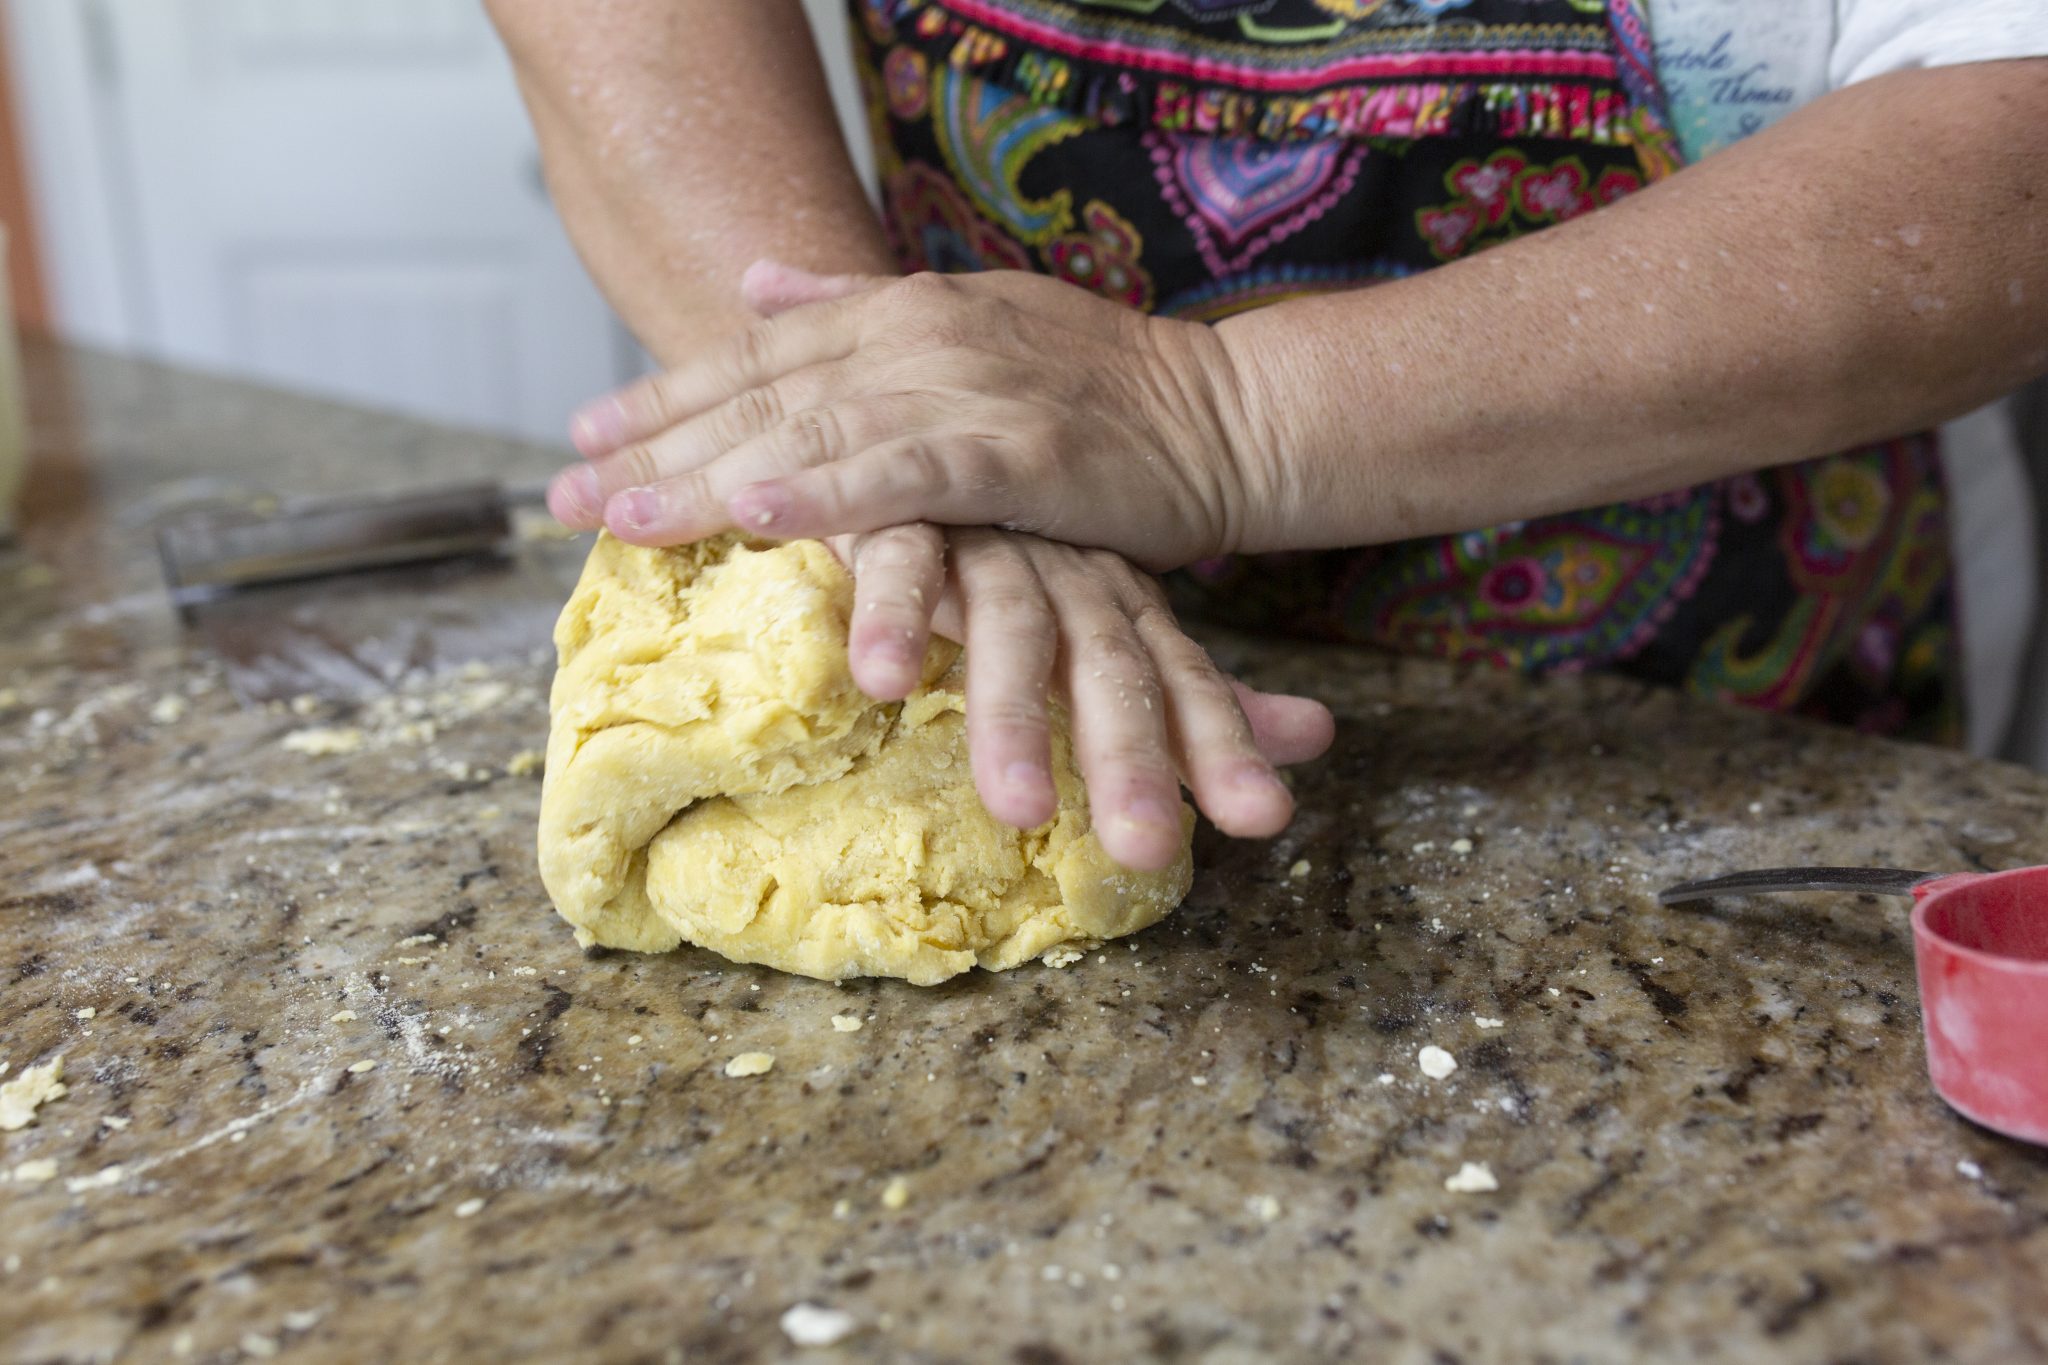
(1980, 944)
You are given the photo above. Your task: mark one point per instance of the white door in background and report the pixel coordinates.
(340, 196)
(335, 195)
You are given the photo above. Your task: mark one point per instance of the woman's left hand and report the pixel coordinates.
(1004, 399)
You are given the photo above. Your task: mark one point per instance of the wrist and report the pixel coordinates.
(1264, 431)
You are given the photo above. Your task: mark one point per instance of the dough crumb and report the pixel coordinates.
(35, 1172)
(1386, 1078)
(1473, 1177)
(809, 1324)
(1301, 869)
(751, 1064)
(416, 940)
(1484, 1022)
(321, 741)
(258, 1345)
(1435, 1062)
(34, 1087)
(303, 1321)
(526, 971)
(169, 710)
(526, 762)
(1968, 1170)
(634, 1040)
(85, 1012)
(342, 1017)
(896, 1193)
(365, 1065)
(845, 1023)
(469, 1208)
(1063, 957)
(1461, 847)
(1264, 1207)
(116, 1122)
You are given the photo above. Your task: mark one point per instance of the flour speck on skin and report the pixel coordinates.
(1436, 1063)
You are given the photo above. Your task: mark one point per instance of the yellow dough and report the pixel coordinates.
(715, 777)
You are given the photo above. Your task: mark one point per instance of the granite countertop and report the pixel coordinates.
(1711, 1130)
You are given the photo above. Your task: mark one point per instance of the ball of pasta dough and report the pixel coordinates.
(715, 777)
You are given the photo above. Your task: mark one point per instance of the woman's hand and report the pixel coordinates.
(1148, 708)
(1003, 399)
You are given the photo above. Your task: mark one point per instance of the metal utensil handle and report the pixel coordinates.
(1876, 881)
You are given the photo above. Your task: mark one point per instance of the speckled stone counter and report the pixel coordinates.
(342, 1088)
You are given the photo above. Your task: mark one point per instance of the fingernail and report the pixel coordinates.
(636, 509)
(575, 491)
(890, 654)
(759, 505)
(1146, 810)
(1025, 775)
(1256, 780)
(599, 425)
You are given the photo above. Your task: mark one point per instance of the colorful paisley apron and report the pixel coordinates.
(1196, 158)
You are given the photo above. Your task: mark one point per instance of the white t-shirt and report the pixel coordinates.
(1732, 67)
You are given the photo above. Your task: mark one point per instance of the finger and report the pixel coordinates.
(897, 576)
(695, 502)
(1011, 646)
(748, 359)
(1287, 729)
(771, 287)
(697, 441)
(1232, 782)
(922, 476)
(1121, 744)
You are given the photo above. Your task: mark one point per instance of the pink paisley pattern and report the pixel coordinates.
(1240, 197)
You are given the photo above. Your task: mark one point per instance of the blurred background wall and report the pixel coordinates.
(340, 196)
(343, 197)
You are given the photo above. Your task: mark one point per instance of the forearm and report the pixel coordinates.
(683, 141)
(1875, 263)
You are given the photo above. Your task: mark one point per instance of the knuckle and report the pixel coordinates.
(1116, 656)
(749, 353)
(634, 467)
(810, 438)
(753, 410)
(1014, 610)
(1137, 756)
(917, 467)
(1016, 716)
(905, 551)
